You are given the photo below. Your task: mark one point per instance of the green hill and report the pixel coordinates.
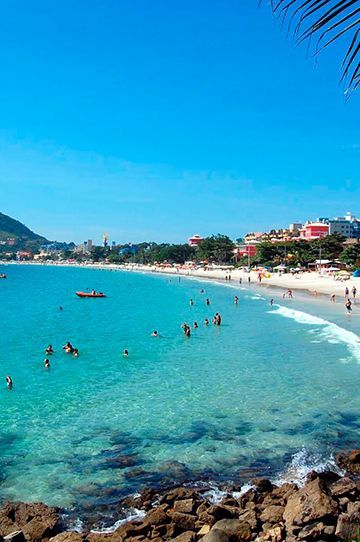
(15, 236)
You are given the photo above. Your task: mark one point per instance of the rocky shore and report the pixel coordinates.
(325, 508)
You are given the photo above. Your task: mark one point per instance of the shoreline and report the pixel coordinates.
(326, 507)
(311, 282)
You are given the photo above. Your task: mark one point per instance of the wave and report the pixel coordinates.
(329, 332)
(304, 462)
(133, 513)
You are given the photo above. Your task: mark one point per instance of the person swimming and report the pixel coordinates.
(9, 382)
(126, 353)
(49, 350)
(68, 347)
(207, 301)
(236, 300)
(155, 334)
(196, 325)
(271, 302)
(191, 302)
(46, 363)
(206, 321)
(348, 306)
(75, 352)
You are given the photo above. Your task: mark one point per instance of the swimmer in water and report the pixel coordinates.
(9, 382)
(188, 331)
(348, 306)
(191, 302)
(236, 300)
(207, 301)
(333, 298)
(60, 308)
(206, 321)
(271, 302)
(46, 363)
(155, 334)
(126, 353)
(49, 350)
(75, 353)
(196, 325)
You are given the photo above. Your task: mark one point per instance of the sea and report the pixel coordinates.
(273, 391)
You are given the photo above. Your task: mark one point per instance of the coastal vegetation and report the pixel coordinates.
(16, 236)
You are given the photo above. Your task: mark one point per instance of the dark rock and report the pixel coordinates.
(313, 530)
(263, 485)
(215, 536)
(16, 536)
(349, 461)
(177, 494)
(185, 522)
(222, 512)
(328, 477)
(235, 530)
(186, 506)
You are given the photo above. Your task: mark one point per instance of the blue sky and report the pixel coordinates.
(157, 120)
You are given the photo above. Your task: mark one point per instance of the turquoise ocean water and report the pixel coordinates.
(273, 391)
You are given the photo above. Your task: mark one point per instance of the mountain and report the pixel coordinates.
(16, 236)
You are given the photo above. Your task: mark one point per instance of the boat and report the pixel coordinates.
(90, 294)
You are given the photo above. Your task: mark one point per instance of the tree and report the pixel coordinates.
(218, 248)
(351, 255)
(327, 21)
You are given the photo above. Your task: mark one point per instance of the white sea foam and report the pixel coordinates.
(134, 513)
(329, 332)
(304, 462)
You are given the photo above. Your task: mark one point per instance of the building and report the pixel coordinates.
(295, 227)
(245, 251)
(195, 240)
(348, 226)
(314, 230)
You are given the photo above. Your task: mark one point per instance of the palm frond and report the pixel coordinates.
(322, 23)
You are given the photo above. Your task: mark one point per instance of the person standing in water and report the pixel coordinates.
(126, 353)
(346, 292)
(236, 300)
(271, 302)
(332, 298)
(9, 382)
(354, 290)
(207, 301)
(46, 363)
(348, 306)
(191, 302)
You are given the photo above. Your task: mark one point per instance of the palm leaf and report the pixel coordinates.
(322, 23)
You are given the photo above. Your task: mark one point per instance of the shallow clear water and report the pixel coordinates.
(225, 404)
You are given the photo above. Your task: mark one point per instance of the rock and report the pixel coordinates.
(205, 529)
(274, 534)
(343, 487)
(206, 518)
(185, 522)
(222, 512)
(348, 524)
(263, 485)
(186, 506)
(313, 530)
(328, 477)
(68, 536)
(187, 536)
(308, 505)
(250, 517)
(349, 461)
(215, 536)
(272, 514)
(177, 494)
(36, 520)
(235, 530)
(156, 516)
(16, 536)
(142, 501)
